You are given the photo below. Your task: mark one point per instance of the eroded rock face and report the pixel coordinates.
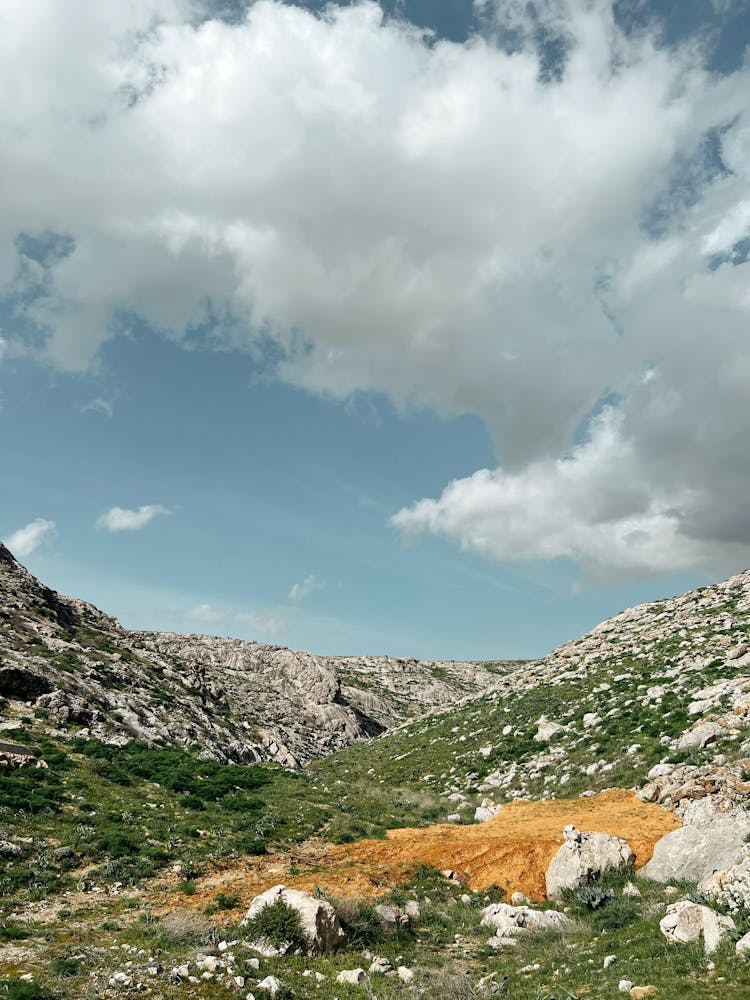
(584, 856)
(321, 929)
(694, 853)
(687, 922)
(239, 701)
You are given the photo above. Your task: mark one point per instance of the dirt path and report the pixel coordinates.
(512, 850)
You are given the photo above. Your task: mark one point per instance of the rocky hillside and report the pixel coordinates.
(79, 670)
(131, 844)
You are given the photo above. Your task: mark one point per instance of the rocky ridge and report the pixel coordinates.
(237, 701)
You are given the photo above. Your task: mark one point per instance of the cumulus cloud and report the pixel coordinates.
(265, 621)
(310, 585)
(463, 227)
(595, 507)
(121, 519)
(28, 539)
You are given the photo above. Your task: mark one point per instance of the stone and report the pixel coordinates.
(379, 967)
(632, 890)
(321, 929)
(640, 992)
(486, 812)
(609, 960)
(700, 736)
(584, 856)
(694, 853)
(404, 974)
(510, 920)
(352, 977)
(687, 922)
(271, 984)
(547, 730)
(391, 916)
(625, 986)
(519, 899)
(743, 944)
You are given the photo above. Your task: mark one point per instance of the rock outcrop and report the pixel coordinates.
(239, 701)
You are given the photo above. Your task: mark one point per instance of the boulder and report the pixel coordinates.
(700, 736)
(271, 984)
(510, 920)
(743, 944)
(321, 929)
(547, 730)
(687, 922)
(694, 853)
(584, 856)
(351, 976)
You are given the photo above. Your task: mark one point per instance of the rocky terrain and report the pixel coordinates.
(571, 827)
(237, 701)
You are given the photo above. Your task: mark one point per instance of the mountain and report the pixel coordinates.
(236, 701)
(143, 807)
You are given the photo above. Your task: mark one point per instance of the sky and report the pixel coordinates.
(417, 328)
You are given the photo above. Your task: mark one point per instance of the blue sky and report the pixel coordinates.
(365, 341)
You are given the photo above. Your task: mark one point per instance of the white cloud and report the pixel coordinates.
(595, 507)
(121, 519)
(265, 621)
(99, 405)
(310, 585)
(395, 214)
(28, 539)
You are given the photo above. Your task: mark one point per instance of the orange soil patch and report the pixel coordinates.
(512, 850)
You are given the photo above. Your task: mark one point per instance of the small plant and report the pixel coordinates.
(593, 895)
(227, 901)
(278, 925)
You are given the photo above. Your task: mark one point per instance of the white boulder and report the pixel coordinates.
(321, 929)
(687, 922)
(584, 856)
(508, 921)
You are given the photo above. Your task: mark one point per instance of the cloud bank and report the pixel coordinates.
(458, 226)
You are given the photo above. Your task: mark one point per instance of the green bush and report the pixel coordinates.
(14, 989)
(278, 925)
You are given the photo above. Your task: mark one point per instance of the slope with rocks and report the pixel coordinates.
(234, 700)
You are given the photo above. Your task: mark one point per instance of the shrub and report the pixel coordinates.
(14, 989)
(227, 901)
(360, 922)
(279, 925)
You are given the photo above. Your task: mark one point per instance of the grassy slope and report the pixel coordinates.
(106, 818)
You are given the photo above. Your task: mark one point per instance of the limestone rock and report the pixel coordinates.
(510, 920)
(584, 856)
(694, 853)
(547, 730)
(687, 922)
(321, 929)
(351, 976)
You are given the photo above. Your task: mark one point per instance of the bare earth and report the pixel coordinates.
(512, 850)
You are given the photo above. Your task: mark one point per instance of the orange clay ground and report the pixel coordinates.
(512, 850)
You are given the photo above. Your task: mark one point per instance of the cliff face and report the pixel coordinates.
(80, 670)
